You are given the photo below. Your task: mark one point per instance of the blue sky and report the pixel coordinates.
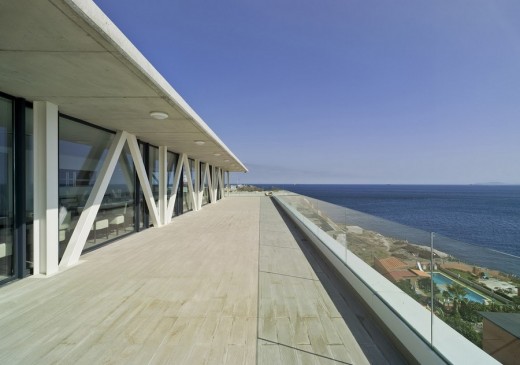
(345, 91)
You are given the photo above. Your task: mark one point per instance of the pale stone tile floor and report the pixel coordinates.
(234, 283)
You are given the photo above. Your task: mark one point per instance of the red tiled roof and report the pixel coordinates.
(399, 275)
(392, 264)
(420, 273)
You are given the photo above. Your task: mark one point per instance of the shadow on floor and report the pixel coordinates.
(371, 337)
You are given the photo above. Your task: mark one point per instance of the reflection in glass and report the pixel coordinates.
(82, 151)
(187, 202)
(219, 195)
(29, 199)
(6, 189)
(172, 159)
(116, 213)
(153, 172)
(179, 201)
(142, 209)
(204, 186)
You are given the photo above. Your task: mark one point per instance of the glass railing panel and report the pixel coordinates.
(465, 278)
(470, 279)
(360, 240)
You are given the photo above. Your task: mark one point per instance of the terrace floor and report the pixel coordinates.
(234, 283)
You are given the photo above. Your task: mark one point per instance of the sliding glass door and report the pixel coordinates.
(6, 190)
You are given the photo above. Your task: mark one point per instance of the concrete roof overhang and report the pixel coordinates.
(69, 53)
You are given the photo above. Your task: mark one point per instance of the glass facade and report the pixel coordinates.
(219, 195)
(172, 161)
(115, 217)
(82, 150)
(142, 210)
(204, 187)
(153, 171)
(187, 203)
(6, 190)
(29, 187)
(179, 201)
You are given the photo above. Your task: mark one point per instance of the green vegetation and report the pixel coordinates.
(458, 312)
(405, 286)
(253, 188)
(248, 188)
(425, 285)
(464, 274)
(464, 328)
(456, 292)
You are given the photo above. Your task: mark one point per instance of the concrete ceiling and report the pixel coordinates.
(69, 53)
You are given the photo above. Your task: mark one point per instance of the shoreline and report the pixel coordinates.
(369, 244)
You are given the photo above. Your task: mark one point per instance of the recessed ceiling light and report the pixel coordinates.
(226, 160)
(158, 115)
(216, 154)
(200, 143)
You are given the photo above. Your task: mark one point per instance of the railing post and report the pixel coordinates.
(431, 288)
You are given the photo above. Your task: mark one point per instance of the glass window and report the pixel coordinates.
(185, 192)
(172, 166)
(187, 202)
(6, 189)
(219, 196)
(142, 209)
(204, 185)
(153, 172)
(29, 184)
(179, 200)
(116, 213)
(82, 152)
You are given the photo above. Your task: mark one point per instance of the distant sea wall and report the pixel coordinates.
(469, 268)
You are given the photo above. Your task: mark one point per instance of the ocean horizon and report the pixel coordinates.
(482, 215)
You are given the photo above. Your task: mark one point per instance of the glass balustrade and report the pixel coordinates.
(426, 279)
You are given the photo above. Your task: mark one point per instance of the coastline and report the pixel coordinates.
(480, 216)
(373, 247)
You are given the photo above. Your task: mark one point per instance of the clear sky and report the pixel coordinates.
(345, 91)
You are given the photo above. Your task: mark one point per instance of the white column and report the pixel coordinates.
(46, 217)
(163, 184)
(88, 215)
(198, 197)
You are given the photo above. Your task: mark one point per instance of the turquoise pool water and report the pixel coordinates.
(442, 282)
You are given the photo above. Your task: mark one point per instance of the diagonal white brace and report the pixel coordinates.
(79, 236)
(210, 184)
(198, 195)
(163, 184)
(187, 171)
(143, 179)
(176, 180)
(214, 181)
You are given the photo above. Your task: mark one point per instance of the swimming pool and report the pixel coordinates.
(442, 282)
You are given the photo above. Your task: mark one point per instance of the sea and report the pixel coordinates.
(486, 217)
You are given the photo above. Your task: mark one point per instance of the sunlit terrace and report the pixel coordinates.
(234, 283)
